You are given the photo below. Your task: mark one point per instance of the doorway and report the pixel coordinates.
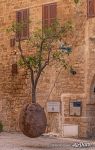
(91, 111)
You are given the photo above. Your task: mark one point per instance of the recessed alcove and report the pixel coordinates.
(92, 91)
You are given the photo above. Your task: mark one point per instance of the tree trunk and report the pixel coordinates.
(33, 88)
(33, 94)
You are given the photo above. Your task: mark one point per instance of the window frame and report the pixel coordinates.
(49, 5)
(22, 21)
(88, 10)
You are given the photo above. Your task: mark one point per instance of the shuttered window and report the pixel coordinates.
(91, 8)
(22, 19)
(49, 14)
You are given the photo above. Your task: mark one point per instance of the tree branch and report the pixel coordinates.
(42, 68)
(26, 63)
(41, 49)
(39, 73)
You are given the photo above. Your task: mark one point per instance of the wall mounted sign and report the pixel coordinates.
(53, 106)
(75, 108)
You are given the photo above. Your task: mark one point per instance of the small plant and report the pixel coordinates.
(1, 126)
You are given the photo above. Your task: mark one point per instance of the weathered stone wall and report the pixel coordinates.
(15, 91)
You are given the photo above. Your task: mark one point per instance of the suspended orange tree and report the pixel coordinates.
(49, 47)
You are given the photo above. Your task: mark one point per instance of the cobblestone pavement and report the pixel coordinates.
(17, 141)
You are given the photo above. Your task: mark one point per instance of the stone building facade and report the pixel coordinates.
(76, 91)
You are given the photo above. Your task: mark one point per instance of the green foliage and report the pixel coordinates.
(44, 42)
(48, 46)
(21, 62)
(1, 126)
(16, 27)
(76, 1)
(59, 57)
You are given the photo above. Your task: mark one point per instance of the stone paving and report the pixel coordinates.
(17, 141)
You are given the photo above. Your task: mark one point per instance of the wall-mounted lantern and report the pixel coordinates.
(14, 69)
(12, 42)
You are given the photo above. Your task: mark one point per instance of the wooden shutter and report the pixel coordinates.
(22, 17)
(49, 14)
(91, 8)
(18, 21)
(25, 32)
(53, 12)
(45, 16)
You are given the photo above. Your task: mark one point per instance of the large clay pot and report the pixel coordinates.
(32, 120)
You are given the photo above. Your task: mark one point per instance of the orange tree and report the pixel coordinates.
(48, 47)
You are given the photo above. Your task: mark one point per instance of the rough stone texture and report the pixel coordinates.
(32, 120)
(15, 91)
